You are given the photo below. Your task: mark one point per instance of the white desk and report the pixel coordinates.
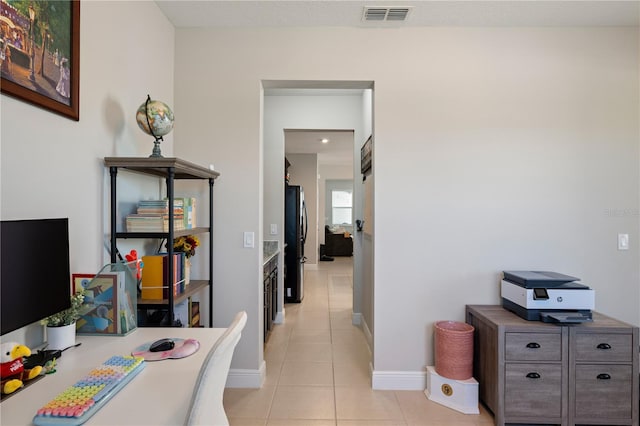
(159, 395)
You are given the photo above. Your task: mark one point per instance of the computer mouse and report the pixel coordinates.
(162, 345)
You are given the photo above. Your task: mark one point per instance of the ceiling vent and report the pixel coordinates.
(385, 14)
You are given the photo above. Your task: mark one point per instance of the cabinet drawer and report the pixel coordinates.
(603, 391)
(533, 347)
(604, 347)
(533, 390)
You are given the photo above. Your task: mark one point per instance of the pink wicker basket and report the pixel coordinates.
(454, 349)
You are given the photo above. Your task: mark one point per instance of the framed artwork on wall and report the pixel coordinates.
(40, 54)
(365, 157)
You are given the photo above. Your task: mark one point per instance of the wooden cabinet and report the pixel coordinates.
(170, 169)
(270, 289)
(537, 373)
(603, 360)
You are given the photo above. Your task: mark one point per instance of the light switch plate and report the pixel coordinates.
(623, 241)
(274, 229)
(249, 240)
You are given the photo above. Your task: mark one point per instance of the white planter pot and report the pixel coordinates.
(61, 337)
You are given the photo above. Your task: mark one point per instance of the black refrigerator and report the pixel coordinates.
(295, 235)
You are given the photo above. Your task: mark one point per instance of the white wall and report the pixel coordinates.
(505, 148)
(526, 144)
(336, 171)
(363, 246)
(52, 166)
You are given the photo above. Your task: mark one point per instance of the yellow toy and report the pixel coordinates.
(12, 371)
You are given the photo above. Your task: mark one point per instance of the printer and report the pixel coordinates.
(547, 296)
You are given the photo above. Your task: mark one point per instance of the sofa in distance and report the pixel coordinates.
(337, 243)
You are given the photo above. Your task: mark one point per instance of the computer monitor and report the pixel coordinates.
(35, 278)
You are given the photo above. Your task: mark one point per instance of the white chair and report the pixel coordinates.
(206, 402)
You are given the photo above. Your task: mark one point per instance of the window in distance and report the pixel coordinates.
(341, 207)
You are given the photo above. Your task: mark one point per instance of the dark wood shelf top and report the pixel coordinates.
(192, 288)
(503, 317)
(158, 166)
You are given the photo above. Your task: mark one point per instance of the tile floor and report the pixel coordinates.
(318, 369)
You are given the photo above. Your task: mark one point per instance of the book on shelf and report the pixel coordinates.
(195, 320)
(153, 215)
(187, 206)
(178, 273)
(160, 206)
(194, 315)
(190, 213)
(153, 222)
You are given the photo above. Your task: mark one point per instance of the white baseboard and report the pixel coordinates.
(392, 380)
(242, 378)
(399, 380)
(367, 333)
(279, 318)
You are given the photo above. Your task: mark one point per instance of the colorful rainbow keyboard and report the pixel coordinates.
(76, 404)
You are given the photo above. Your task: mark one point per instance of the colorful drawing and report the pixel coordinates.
(99, 312)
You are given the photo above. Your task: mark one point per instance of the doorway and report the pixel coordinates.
(291, 109)
(315, 157)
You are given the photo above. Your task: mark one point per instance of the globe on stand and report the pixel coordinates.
(155, 118)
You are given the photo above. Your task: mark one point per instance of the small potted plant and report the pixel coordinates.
(61, 327)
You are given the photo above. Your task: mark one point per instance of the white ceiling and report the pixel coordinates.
(347, 13)
(338, 151)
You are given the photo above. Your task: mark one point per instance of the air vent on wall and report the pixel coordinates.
(385, 14)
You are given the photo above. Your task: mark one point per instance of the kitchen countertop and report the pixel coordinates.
(270, 249)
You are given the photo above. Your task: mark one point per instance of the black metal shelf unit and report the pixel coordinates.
(171, 169)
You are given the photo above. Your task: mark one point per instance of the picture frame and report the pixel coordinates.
(365, 157)
(99, 312)
(40, 54)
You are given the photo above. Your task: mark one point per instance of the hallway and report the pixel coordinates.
(318, 369)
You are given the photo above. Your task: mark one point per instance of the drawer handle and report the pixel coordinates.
(533, 376)
(603, 376)
(533, 345)
(604, 346)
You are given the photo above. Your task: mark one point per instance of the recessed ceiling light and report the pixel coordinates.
(324, 140)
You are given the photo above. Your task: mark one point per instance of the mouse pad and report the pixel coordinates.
(183, 348)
